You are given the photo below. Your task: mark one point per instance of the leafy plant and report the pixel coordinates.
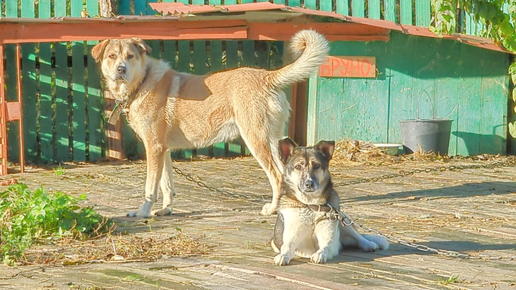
(59, 170)
(498, 23)
(451, 279)
(29, 217)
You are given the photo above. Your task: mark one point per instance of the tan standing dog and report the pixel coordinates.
(170, 110)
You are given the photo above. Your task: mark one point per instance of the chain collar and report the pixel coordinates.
(332, 214)
(123, 106)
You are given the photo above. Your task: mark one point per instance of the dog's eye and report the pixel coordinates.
(130, 56)
(298, 167)
(112, 56)
(316, 166)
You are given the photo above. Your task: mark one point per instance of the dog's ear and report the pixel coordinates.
(286, 146)
(98, 50)
(141, 46)
(327, 148)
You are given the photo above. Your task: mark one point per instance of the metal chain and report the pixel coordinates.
(347, 220)
(200, 183)
(403, 173)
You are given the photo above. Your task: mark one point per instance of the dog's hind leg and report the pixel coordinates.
(349, 236)
(155, 160)
(167, 187)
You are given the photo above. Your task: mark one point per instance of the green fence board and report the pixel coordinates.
(326, 5)
(11, 10)
(79, 104)
(46, 111)
(423, 12)
(342, 7)
(170, 53)
(124, 7)
(140, 7)
(311, 4)
(358, 8)
(373, 9)
(468, 141)
(493, 117)
(447, 72)
(406, 12)
(390, 10)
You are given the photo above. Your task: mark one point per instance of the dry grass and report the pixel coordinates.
(347, 151)
(116, 248)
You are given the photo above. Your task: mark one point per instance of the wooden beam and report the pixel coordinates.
(57, 32)
(182, 30)
(332, 31)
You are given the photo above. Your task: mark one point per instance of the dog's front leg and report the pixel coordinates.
(291, 239)
(167, 187)
(155, 154)
(327, 235)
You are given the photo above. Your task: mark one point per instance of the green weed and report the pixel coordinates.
(451, 279)
(27, 218)
(59, 170)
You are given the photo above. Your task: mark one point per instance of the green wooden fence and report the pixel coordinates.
(63, 103)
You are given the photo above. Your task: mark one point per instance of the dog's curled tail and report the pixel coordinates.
(311, 49)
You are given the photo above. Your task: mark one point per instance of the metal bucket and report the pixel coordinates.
(431, 135)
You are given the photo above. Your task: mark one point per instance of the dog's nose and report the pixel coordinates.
(309, 184)
(121, 69)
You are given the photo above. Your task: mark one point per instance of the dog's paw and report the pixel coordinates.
(137, 213)
(268, 209)
(281, 260)
(319, 258)
(368, 246)
(162, 212)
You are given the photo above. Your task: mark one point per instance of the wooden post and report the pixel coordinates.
(3, 117)
(115, 140)
(19, 97)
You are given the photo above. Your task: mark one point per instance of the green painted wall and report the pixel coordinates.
(465, 83)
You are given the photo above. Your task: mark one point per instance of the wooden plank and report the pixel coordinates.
(332, 31)
(326, 5)
(493, 119)
(423, 13)
(11, 10)
(374, 116)
(406, 12)
(29, 84)
(96, 131)
(358, 8)
(401, 51)
(3, 117)
(341, 7)
(140, 7)
(46, 125)
(62, 90)
(312, 4)
(374, 9)
(49, 32)
(390, 10)
(124, 7)
(78, 129)
(468, 123)
(447, 91)
(349, 66)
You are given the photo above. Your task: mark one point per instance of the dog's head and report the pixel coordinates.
(306, 169)
(123, 61)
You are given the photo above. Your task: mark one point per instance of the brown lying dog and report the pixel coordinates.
(171, 110)
(310, 223)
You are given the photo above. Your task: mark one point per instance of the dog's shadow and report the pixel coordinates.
(395, 249)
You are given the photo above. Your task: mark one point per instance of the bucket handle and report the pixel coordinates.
(431, 104)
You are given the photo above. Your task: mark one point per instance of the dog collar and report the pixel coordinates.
(332, 214)
(123, 106)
